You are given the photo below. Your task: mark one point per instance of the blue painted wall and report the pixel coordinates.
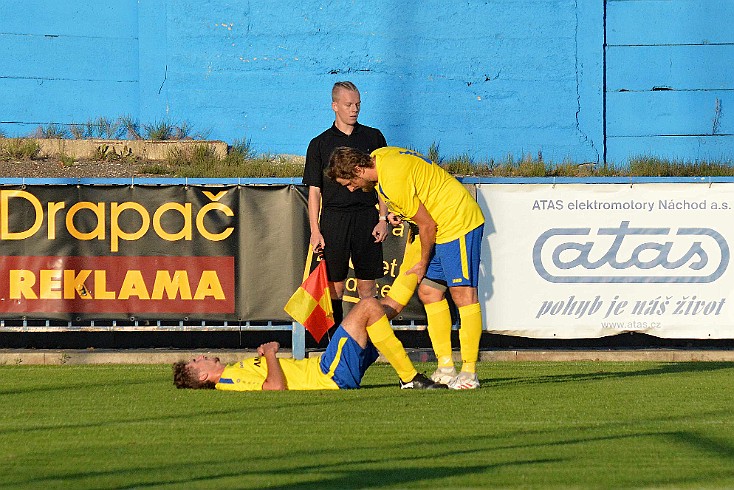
(66, 62)
(670, 79)
(486, 78)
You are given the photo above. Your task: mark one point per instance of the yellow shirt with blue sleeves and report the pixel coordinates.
(249, 375)
(406, 178)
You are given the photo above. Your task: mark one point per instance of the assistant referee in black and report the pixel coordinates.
(345, 224)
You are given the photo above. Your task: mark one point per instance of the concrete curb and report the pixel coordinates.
(166, 356)
(145, 149)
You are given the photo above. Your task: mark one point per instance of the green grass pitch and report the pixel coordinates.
(531, 425)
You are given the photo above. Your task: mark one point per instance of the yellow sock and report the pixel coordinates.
(403, 286)
(469, 336)
(439, 330)
(382, 335)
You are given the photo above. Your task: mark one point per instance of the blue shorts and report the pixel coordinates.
(347, 360)
(457, 262)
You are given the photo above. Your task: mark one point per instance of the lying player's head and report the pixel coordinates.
(344, 163)
(195, 373)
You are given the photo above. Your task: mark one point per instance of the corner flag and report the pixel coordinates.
(310, 305)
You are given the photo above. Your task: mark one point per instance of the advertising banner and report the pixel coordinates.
(592, 260)
(163, 252)
(559, 261)
(149, 252)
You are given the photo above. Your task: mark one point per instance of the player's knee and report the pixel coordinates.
(464, 295)
(367, 304)
(428, 294)
(368, 308)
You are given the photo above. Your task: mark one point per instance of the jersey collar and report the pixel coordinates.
(357, 128)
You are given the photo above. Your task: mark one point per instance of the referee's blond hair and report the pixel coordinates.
(345, 85)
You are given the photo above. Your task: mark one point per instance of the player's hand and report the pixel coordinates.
(380, 231)
(394, 219)
(269, 348)
(317, 242)
(419, 270)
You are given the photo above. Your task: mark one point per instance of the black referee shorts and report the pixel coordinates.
(348, 234)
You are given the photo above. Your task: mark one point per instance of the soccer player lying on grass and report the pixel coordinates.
(348, 355)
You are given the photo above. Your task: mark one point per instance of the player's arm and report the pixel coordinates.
(276, 378)
(380, 229)
(427, 228)
(314, 209)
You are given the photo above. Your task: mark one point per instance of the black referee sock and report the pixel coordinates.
(337, 306)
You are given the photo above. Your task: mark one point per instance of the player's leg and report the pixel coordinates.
(363, 314)
(433, 296)
(350, 352)
(402, 291)
(470, 315)
(404, 285)
(432, 292)
(460, 262)
(367, 317)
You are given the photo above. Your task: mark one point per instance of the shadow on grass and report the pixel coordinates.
(704, 443)
(349, 470)
(392, 476)
(335, 475)
(66, 386)
(248, 467)
(194, 413)
(663, 369)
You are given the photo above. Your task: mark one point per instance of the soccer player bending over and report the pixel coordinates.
(342, 366)
(447, 253)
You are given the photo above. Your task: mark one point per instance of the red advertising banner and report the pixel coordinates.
(119, 252)
(139, 286)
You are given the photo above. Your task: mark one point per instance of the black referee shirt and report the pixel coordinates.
(334, 195)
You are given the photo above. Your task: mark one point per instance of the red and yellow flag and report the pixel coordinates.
(310, 305)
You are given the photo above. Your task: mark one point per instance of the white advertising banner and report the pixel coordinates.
(591, 260)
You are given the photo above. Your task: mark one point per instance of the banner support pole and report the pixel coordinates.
(298, 335)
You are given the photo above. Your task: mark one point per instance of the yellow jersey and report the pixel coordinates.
(406, 178)
(249, 375)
